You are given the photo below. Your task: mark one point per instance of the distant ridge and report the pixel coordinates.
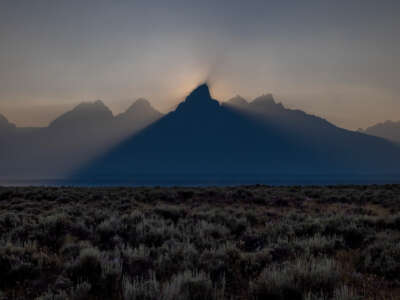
(86, 113)
(389, 130)
(5, 124)
(200, 141)
(79, 135)
(266, 109)
(202, 137)
(140, 111)
(237, 101)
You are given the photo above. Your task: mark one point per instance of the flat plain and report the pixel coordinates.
(244, 242)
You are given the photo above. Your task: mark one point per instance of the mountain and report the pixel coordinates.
(88, 130)
(96, 116)
(138, 115)
(203, 141)
(389, 130)
(237, 101)
(5, 125)
(141, 109)
(265, 109)
(84, 114)
(266, 103)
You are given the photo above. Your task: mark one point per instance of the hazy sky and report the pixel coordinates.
(337, 59)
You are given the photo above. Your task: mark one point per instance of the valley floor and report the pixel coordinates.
(246, 242)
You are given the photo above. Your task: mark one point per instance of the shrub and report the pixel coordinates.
(137, 262)
(80, 292)
(381, 258)
(189, 286)
(295, 280)
(105, 231)
(139, 243)
(19, 263)
(319, 245)
(139, 289)
(170, 213)
(87, 267)
(53, 229)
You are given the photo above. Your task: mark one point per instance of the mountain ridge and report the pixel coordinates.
(138, 110)
(84, 114)
(389, 130)
(203, 137)
(5, 124)
(78, 135)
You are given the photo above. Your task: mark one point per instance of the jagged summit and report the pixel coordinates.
(263, 104)
(267, 102)
(237, 101)
(201, 92)
(265, 98)
(141, 105)
(199, 99)
(91, 106)
(141, 109)
(85, 112)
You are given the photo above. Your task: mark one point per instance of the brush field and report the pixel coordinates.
(247, 242)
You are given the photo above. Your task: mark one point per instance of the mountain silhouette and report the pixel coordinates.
(237, 101)
(137, 116)
(84, 114)
(140, 109)
(202, 138)
(5, 125)
(266, 103)
(81, 134)
(389, 130)
(267, 110)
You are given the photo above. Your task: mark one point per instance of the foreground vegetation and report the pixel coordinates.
(249, 242)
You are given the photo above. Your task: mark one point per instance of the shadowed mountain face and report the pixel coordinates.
(266, 110)
(83, 133)
(5, 125)
(237, 102)
(202, 138)
(85, 114)
(140, 113)
(389, 130)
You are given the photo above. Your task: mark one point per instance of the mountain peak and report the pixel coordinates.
(267, 102)
(85, 112)
(265, 98)
(199, 99)
(140, 103)
(237, 101)
(141, 109)
(95, 105)
(202, 91)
